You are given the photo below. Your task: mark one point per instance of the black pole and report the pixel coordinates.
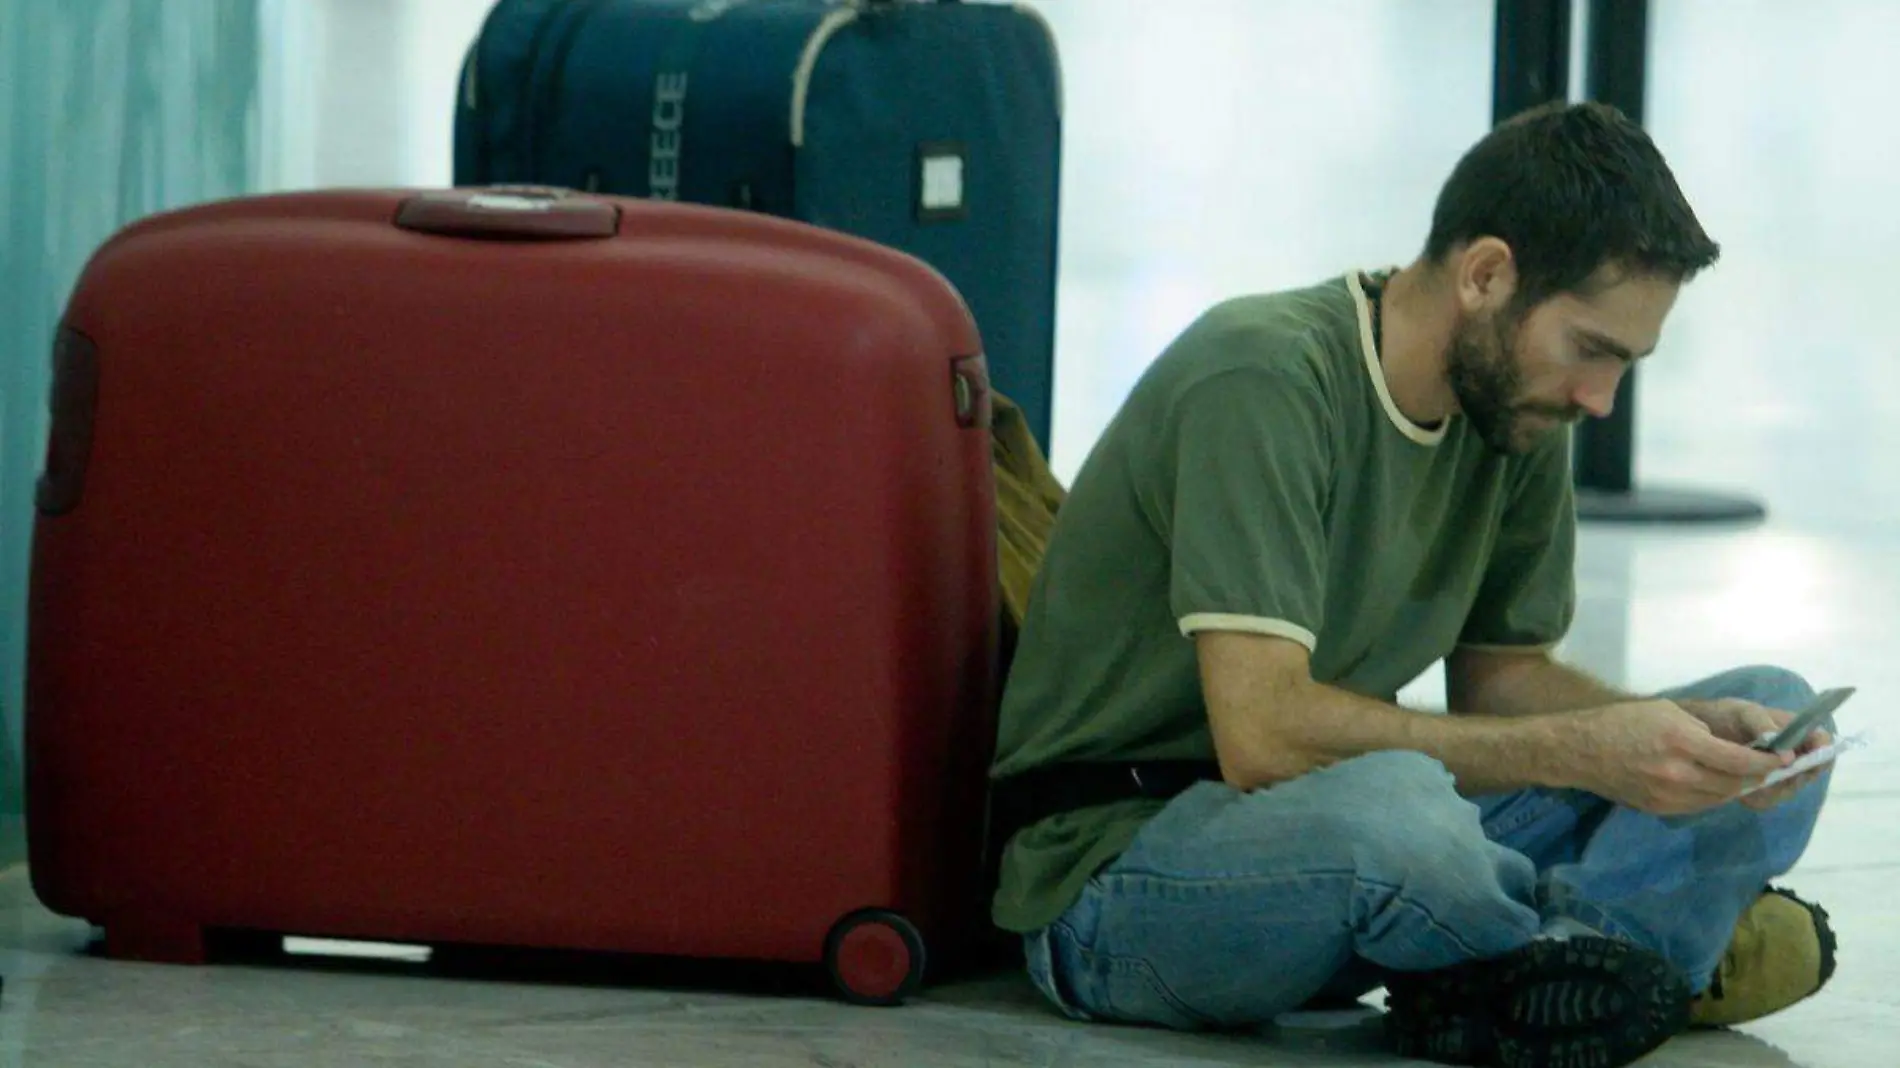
(1532, 67)
(1614, 72)
(1532, 56)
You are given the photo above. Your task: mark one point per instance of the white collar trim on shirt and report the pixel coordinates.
(1371, 352)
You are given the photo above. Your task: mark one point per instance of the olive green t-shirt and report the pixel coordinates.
(1260, 478)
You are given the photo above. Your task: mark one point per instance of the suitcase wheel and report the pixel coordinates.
(876, 957)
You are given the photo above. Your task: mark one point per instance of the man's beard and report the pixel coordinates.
(1485, 378)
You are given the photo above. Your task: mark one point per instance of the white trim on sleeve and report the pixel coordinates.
(1271, 628)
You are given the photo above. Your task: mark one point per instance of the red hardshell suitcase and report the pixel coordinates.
(513, 568)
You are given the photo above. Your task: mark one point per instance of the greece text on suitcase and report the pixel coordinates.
(934, 128)
(502, 568)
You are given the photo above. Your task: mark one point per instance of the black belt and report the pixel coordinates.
(1032, 796)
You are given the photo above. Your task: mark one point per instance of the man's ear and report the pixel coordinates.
(1486, 276)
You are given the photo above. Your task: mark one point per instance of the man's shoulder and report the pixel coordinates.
(1306, 335)
(1326, 305)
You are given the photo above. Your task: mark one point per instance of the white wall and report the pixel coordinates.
(362, 92)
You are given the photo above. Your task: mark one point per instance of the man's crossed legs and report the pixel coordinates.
(1232, 908)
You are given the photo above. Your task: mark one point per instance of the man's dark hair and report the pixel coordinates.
(1571, 188)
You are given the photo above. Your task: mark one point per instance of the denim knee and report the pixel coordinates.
(1764, 684)
(1411, 823)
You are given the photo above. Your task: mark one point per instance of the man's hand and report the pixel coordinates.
(1744, 721)
(1656, 757)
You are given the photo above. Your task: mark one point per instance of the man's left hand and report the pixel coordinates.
(1741, 722)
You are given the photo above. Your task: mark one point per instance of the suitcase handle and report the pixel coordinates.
(519, 213)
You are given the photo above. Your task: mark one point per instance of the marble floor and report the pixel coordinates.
(1217, 146)
(65, 1007)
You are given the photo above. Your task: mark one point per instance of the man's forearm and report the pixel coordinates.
(1324, 725)
(1522, 684)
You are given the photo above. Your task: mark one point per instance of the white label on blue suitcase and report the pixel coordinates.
(943, 183)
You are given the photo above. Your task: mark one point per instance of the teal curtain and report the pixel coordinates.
(109, 110)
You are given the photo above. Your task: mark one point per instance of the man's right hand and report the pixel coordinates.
(1657, 758)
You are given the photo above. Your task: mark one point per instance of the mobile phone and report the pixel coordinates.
(1803, 724)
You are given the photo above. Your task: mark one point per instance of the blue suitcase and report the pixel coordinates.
(931, 127)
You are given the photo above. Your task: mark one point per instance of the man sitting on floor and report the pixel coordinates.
(1307, 500)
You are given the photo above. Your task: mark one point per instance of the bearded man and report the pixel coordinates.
(1215, 810)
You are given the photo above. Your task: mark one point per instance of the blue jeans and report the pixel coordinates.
(1231, 908)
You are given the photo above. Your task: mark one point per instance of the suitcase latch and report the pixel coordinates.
(970, 391)
(75, 406)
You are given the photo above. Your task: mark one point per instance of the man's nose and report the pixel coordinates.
(1597, 394)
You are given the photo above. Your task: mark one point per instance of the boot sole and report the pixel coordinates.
(1579, 1003)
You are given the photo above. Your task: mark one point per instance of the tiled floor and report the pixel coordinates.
(65, 1008)
(1249, 144)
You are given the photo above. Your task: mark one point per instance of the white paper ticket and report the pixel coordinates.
(1812, 760)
